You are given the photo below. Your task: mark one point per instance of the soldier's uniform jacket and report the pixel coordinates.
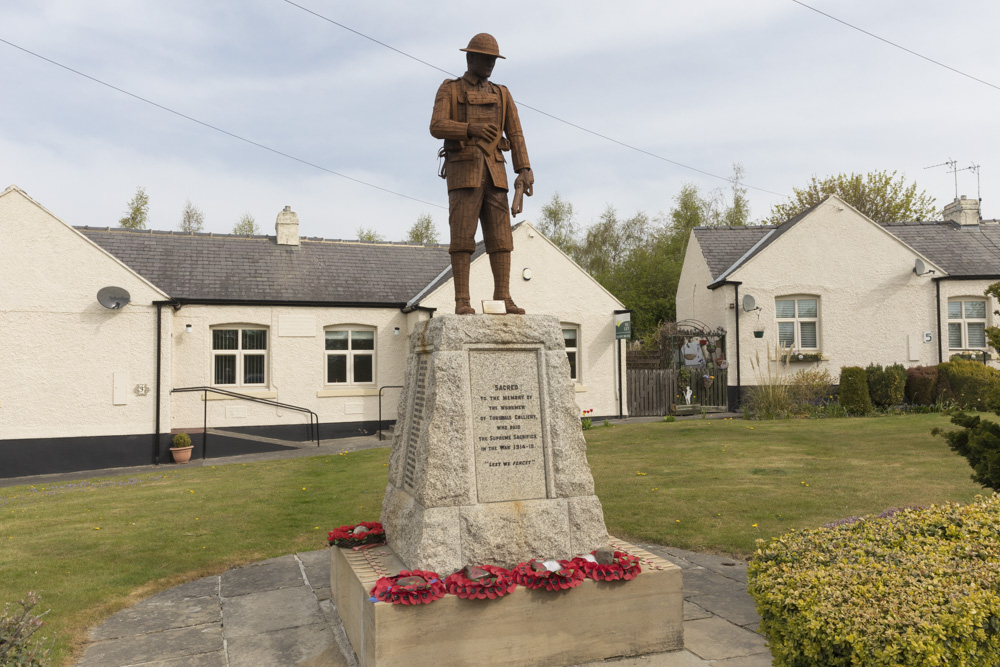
(470, 99)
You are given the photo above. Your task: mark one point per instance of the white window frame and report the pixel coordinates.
(350, 353)
(798, 320)
(240, 353)
(963, 320)
(573, 353)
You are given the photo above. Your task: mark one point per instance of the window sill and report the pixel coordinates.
(579, 388)
(347, 391)
(255, 393)
(801, 357)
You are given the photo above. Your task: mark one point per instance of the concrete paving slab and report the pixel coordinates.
(269, 610)
(306, 645)
(737, 609)
(317, 567)
(717, 639)
(158, 614)
(759, 660)
(681, 658)
(268, 575)
(160, 645)
(692, 612)
(704, 582)
(215, 659)
(193, 589)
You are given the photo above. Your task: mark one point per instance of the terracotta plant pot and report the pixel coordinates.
(181, 454)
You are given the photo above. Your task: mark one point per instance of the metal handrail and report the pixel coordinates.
(387, 386)
(313, 428)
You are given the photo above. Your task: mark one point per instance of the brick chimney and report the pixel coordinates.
(963, 211)
(287, 227)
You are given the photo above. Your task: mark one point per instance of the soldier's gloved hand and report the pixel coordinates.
(488, 131)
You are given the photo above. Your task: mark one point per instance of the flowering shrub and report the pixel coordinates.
(918, 588)
(16, 629)
(587, 423)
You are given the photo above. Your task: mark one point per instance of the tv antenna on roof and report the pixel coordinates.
(950, 163)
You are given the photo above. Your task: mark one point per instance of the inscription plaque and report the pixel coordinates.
(416, 423)
(507, 425)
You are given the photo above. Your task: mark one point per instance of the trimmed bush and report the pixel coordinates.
(886, 386)
(918, 588)
(921, 385)
(853, 394)
(970, 384)
(182, 440)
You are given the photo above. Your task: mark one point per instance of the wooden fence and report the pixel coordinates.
(652, 392)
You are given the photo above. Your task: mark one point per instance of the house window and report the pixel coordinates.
(350, 356)
(798, 322)
(571, 336)
(966, 324)
(239, 357)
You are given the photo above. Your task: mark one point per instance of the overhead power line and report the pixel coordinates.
(526, 106)
(900, 47)
(219, 129)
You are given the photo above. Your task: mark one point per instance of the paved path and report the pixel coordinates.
(278, 613)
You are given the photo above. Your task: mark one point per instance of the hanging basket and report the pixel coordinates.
(758, 334)
(689, 356)
(708, 381)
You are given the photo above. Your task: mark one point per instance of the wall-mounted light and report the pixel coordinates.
(188, 328)
(526, 273)
(395, 332)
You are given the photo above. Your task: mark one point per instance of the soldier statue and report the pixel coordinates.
(478, 121)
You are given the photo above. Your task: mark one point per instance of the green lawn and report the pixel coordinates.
(91, 548)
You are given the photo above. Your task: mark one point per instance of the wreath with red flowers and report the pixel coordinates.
(534, 574)
(492, 587)
(623, 568)
(346, 537)
(409, 587)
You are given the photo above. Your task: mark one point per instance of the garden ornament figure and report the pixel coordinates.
(478, 121)
(687, 395)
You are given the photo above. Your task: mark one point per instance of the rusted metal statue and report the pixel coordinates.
(478, 121)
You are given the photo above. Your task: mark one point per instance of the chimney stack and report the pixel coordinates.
(287, 227)
(963, 211)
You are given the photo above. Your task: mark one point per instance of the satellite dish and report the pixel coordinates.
(749, 303)
(113, 297)
(920, 268)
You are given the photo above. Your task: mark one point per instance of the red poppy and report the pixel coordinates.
(535, 575)
(345, 536)
(488, 588)
(624, 568)
(409, 587)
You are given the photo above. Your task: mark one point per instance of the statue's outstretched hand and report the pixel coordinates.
(488, 131)
(523, 185)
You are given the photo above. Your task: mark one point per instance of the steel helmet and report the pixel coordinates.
(483, 43)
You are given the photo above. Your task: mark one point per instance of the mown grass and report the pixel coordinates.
(91, 548)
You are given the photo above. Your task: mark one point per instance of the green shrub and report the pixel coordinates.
(182, 440)
(17, 646)
(811, 386)
(979, 443)
(918, 588)
(921, 385)
(971, 385)
(886, 386)
(670, 419)
(853, 393)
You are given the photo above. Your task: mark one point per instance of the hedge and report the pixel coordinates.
(970, 384)
(917, 588)
(886, 385)
(922, 385)
(853, 393)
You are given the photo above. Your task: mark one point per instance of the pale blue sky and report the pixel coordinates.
(771, 84)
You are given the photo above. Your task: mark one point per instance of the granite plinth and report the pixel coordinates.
(593, 621)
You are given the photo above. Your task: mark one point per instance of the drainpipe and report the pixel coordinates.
(159, 351)
(736, 310)
(937, 290)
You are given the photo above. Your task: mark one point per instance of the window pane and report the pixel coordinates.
(786, 334)
(954, 310)
(254, 339)
(784, 308)
(225, 339)
(572, 364)
(977, 334)
(807, 334)
(225, 369)
(336, 368)
(363, 368)
(362, 340)
(954, 335)
(336, 340)
(569, 337)
(253, 369)
(807, 307)
(975, 310)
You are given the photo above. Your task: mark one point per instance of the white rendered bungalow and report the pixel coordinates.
(843, 290)
(311, 323)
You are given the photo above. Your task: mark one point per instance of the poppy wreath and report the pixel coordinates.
(409, 587)
(624, 568)
(345, 537)
(530, 576)
(492, 587)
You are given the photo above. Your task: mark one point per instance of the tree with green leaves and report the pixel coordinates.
(880, 195)
(192, 219)
(247, 226)
(423, 231)
(558, 224)
(137, 212)
(369, 235)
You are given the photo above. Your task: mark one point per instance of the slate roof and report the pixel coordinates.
(255, 268)
(961, 251)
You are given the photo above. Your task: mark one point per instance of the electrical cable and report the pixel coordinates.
(903, 48)
(219, 129)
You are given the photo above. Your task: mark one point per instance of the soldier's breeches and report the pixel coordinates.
(468, 206)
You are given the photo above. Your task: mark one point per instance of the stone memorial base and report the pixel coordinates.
(593, 621)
